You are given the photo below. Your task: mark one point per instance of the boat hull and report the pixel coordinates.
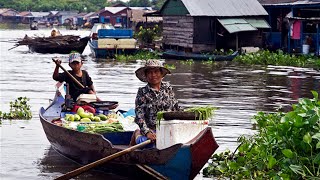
(185, 56)
(109, 52)
(180, 161)
(78, 46)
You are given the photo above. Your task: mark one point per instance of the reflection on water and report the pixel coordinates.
(53, 165)
(238, 91)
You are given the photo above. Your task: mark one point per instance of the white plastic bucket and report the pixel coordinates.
(305, 49)
(178, 131)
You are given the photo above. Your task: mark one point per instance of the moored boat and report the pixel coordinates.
(58, 44)
(178, 161)
(106, 41)
(180, 55)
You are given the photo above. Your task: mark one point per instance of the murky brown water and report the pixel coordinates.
(239, 92)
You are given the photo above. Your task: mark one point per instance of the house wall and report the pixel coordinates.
(178, 31)
(250, 38)
(204, 34)
(113, 17)
(174, 7)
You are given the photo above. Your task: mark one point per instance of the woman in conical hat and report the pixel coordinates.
(156, 96)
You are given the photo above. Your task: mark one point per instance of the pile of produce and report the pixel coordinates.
(97, 124)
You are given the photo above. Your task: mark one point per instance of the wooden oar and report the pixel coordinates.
(70, 75)
(87, 167)
(152, 172)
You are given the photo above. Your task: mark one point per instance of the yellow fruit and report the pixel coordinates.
(85, 120)
(71, 118)
(67, 117)
(83, 114)
(77, 117)
(102, 117)
(96, 119)
(80, 110)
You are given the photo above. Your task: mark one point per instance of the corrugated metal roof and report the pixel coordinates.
(258, 23)
(224, 8)
(39, 14)
(114, 10)
(233, 25)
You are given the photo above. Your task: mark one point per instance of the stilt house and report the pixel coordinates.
(294, 26)
(206, 25)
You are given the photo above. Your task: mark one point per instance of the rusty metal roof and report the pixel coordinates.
(223, 8)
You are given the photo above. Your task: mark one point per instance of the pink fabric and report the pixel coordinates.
(296, 28)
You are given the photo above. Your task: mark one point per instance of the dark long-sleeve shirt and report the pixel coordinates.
(74, 89)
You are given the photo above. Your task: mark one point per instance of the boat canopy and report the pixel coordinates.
(233, 25)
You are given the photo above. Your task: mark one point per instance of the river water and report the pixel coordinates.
(238, 91)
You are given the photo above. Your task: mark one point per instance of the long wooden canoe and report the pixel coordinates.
(179, 161)
(179, 55)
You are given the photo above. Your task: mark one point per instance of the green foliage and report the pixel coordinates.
(61, 5)
(286, 146)
(279, 59)
(147, 35)
(188, 62)
(141, 55)
(139, 3)
(19, 109)
(168, 66)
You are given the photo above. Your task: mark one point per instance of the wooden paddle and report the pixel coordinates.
(87, 167)
(70, 75)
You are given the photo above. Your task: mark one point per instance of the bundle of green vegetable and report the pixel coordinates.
(200, 112)
(203, 113)
(100, 128)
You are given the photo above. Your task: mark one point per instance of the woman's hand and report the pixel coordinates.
(152, 136)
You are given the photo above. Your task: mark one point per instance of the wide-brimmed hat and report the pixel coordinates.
(151, 63)
(74, 56)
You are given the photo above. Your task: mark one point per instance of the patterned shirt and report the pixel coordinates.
(149, 102)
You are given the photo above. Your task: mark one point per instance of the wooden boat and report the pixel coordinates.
(106, 41)
(179, 161)
(58, 44)
(179, 55)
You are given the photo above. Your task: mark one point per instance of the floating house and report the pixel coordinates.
(119, 17)
(295, 26)
(138, 19)
(9, 15)
(206, 25)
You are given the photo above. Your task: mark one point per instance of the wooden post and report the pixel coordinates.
(237, 41)
(317, 42)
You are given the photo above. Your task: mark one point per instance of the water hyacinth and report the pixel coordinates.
(278, 58)
(19, 109)
(286, 146)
